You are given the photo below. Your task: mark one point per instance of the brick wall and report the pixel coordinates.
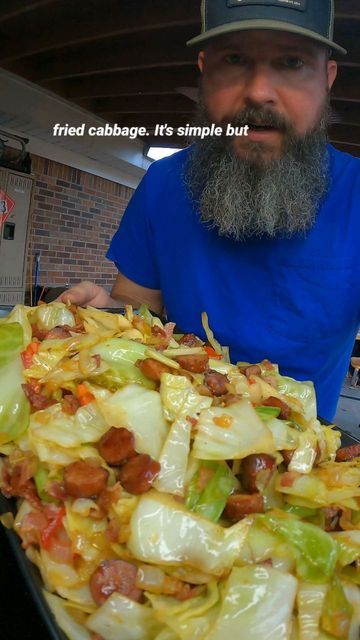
(74, 216)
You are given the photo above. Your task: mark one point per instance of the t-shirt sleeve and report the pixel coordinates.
(132, 247)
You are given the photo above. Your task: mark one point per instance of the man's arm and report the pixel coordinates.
(124, 291)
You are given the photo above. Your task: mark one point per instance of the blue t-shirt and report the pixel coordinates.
(294, 301)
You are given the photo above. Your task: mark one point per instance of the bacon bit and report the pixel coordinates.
(14, 486)
(38, 333)
(158, 331)
(70, 404)
(17, 474)
(55, 517)
(231, 398)
(97, 359)
(96, 636)
(193, 421)
(59, 332)
(108, 496)
(332, 517)
(223, 421)
(35, 397)
(56, 490)
(190, 340)
(30, 528)
(288, 478)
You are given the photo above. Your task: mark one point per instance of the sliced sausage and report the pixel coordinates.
(251, 466)
(152, 368)
(114, 575)
(195, 363)
(251, 370)
(348, 453)
(137, 475)
(241, 504)
(117, 445)
(216, 382)
(84, 480)
(190, 340)
(285, 411)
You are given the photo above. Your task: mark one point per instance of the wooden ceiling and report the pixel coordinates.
(126, 60)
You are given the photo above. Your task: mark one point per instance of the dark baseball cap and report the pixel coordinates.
(311, 18)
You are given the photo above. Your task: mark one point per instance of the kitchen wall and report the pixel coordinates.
(74, 216)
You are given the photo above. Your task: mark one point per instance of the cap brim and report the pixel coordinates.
(271, 25)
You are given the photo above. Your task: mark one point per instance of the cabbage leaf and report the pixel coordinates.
(14, 406)
(231, 432)
(257, 605)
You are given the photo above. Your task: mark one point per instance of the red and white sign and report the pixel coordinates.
(6, 206)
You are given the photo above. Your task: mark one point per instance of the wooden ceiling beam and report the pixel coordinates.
(345, 133)
(346, 112)
(347, 9)
(81, 22)
(16, 8)
(347, 85)
(162, 81)
(121, 55)
(139, 104)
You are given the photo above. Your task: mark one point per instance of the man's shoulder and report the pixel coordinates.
(170, 165)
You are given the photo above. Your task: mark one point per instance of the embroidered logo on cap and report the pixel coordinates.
(291, 4)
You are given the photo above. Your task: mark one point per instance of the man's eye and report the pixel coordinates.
(293, 63)
(234, 58)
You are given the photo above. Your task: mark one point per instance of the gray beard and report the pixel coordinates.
(246, 198)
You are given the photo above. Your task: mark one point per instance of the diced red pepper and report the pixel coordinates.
(28, 354)
(83, 395)
(212, 353)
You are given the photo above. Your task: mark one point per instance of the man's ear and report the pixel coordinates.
(201, 61)
(331, 72)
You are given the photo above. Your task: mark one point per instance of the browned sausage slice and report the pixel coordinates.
(190, 340)
(117, 445)
(285, 411)
(216, 382)
(152, 368)
(84, 480)
(348, 453)
(251, 466)
(195, 363)
(137, 475)
(114, 575)
(241, 504)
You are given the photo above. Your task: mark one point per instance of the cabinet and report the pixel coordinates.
(13, 237)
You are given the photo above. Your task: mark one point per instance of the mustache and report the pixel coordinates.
(259, 116)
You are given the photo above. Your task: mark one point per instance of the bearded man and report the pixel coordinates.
(259, 230)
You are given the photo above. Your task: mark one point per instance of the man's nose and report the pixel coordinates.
(260, 87)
